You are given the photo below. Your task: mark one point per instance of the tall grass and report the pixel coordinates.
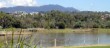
(19, 43)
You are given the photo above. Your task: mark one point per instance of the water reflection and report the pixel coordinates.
(68, 39)
(74, 39)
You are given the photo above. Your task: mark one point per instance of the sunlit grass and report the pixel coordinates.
(97, 47)
(19, 43)
(67, 30)
(87, 47)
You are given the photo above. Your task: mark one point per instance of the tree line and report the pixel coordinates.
(57, 19)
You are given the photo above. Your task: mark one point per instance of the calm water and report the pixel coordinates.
(69, 39)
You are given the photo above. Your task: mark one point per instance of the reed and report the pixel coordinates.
(20, 42)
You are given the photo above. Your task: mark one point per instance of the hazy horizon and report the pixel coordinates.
(82, 5)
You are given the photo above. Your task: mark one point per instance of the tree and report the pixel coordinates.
(6, 20)
(107, 24)
(78, 24)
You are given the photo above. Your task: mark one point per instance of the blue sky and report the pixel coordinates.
(88, 5)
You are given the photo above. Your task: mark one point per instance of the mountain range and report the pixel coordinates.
(43, 8)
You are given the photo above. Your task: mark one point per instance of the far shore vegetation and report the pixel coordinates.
(55, 20)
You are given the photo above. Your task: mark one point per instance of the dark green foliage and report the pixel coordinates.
(107, 24)
(60, 25)
(78, 25)
(6, 20)
(57, 19)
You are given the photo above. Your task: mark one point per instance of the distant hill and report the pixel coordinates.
(44, 8)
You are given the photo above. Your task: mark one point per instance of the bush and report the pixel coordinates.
(60, 25)
(0, 27)
(78, 25)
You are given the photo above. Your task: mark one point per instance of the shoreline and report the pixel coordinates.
(67, 30)
(83, 46)
(3, 33)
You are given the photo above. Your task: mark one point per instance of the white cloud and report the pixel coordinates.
(7, 3)
(2, 4)
(23, 2)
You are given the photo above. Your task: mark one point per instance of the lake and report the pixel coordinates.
(67, 39)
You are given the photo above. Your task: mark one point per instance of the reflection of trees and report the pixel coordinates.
(92, 39)
(81, 39)
(49, 39)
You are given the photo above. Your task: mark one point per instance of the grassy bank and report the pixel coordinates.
(82, 47)
(85, 46)
(103, 30)
(97, 47)
(67, 30)
(89, 47)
